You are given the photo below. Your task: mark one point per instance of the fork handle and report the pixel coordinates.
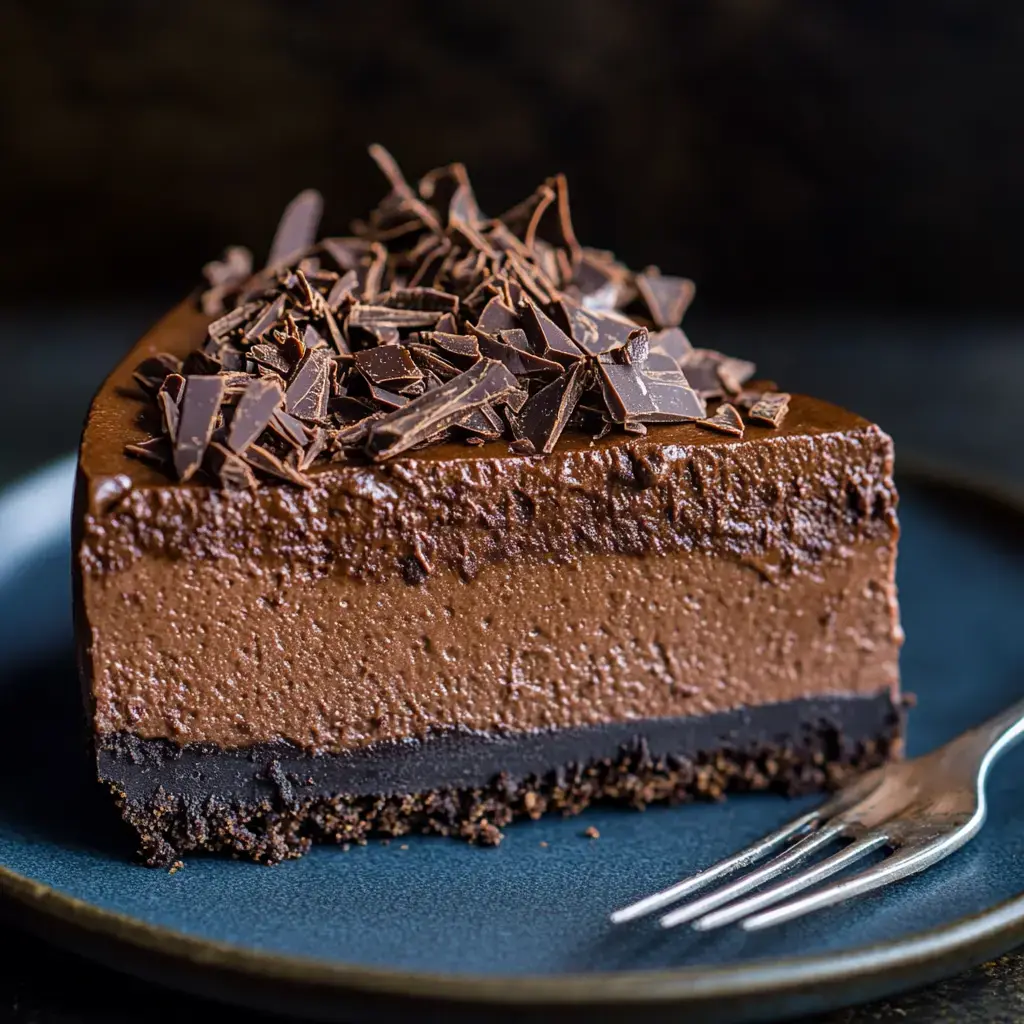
(994, 737)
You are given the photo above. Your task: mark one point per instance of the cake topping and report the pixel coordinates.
(432, 322)
(770, 409)
(726, 420)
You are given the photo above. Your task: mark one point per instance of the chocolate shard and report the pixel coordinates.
(234, 268)
(231, 472)
(345, 287)
(347, 253)
(448, 190)
(734, 373)
(726, 420)
(389, 364)
(429, 361)
(252, 414)
(346, 409)
(672, 342)
(547, 338)
(598, 333)
(316, 445)
(512, 349)
(174, 385)
(272, 356)
(701, 368)
(496, 316)
(200, 405)
(438, 409)
(259, 458)
(544, 416)
(636, 397)
(430, 299)
(307, 394)
(297, 229)
(155, 450)
(289, 429)
(667, 298)
(271, 316)
(150, 373)
(515, 399)
(387, 399)
(233, 319)
(638, 349)
(484, 423)
(770, 409)
(462, 350)
(402, 190)
(311, 338)
(373, 317)
(447, 325)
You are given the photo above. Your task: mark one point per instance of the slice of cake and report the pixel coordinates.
(447, 523)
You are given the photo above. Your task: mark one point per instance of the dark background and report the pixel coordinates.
(844, 181)
(784, 154)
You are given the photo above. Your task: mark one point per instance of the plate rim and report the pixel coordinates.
(759, 990)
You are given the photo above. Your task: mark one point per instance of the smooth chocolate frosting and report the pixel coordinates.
(679, 573)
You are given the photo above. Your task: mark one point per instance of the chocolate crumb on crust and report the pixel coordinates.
(429, 292)
(272, 830)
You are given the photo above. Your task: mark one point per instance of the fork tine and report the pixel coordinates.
(745, 908)
(907, 861)
(744, 858)
(776, 866)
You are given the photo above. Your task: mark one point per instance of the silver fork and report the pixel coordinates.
(923, 809)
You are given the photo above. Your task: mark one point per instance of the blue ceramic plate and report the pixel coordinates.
(431, 924)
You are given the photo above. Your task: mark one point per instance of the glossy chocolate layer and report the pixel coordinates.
(463, 759)
(680, 573)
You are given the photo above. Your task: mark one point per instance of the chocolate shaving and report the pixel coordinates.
(229, 470)
(461, 349)
(266, 462)
(289, 428)
(155, 450)
(307, 394)
(268, 318)
(390, 364)
(431, 321)
(544, 416)
(253, 412)
(387, 399)
(296, 232)
(436, 410)
(271, 356)
(726, 420)
(734, 373)
(344, 287)
(770, 409)
(200, 406)
(667, 298)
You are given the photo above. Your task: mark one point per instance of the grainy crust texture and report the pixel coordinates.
(170, 825)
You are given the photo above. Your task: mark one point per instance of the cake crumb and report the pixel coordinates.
(591, 833)
(345, 847)
(404, 846)
(175, 867)
(542, 843)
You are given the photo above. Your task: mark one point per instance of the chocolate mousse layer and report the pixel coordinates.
(359, 552)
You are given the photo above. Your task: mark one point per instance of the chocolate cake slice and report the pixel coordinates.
(447, 523)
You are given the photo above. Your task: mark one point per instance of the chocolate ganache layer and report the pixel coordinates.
(397, 580)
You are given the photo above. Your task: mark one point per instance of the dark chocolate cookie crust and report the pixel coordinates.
(282, 826)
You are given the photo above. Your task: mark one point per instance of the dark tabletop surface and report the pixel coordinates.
(913, 376)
